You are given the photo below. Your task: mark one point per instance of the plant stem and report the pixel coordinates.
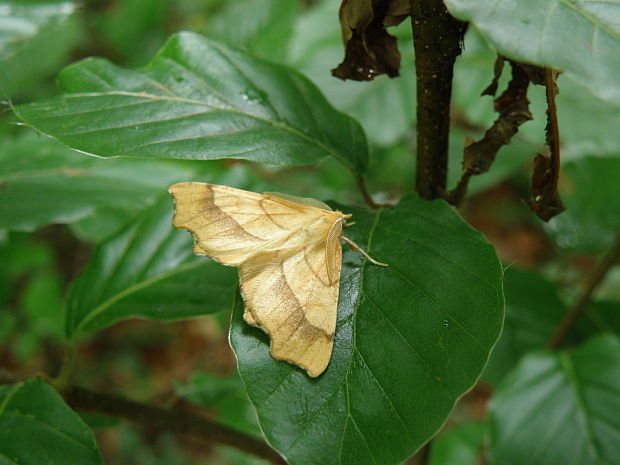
(66, 369)
(437, 38)
(177, 420)
(545, 199)
(553, 131)
(361, 184)
(606, 264)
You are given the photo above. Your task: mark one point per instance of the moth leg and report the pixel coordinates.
(357, 248)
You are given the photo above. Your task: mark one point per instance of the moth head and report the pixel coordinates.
(345, 218)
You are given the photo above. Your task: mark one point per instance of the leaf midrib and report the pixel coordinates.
(37, 420)
(153, 97)
(345, 380)
(597, 23)
(571, 375)
(9, 396)
(353, 348)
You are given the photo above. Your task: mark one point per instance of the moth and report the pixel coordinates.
(289, 257)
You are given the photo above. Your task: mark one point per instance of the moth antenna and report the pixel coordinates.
(350, 224)
(357, 248)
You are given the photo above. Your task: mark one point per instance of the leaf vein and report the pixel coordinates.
(447, 259)
(413, 350)
(387, 397)
(361, 435)
(436, 305)
(572, 377)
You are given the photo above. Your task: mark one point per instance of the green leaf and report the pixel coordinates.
(37, 427)
(559, 408)
(584, 121)
(533, 311)
(589, 189)
(42, 182)
(102, 223)
(261, 27)
(198, 99)
(35, 38)
(461, 445)
(410, 340)
(148, 270)
(581, 38)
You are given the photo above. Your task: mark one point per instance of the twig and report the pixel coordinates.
(361, 184)
(437, 39)
(610, 259)
(176, 420)
(545, 199)
(553, 129)
(8, 377)
(66, 369)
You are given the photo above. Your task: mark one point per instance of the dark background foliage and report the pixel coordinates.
(114, 341)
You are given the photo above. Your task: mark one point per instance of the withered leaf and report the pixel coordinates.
(545, 201)
(369, 50)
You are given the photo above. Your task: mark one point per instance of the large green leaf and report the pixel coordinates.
(410, 340)
(559, 408)
(198, 99)
(533, 311)
(35, 37)
(148, 270)
(580, 37)
(584, 121)
(37, 427)
(43, 182)
(589, 189)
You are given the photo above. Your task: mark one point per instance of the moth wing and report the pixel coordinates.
(300, 200)
(294, 298)
(289, 259)
(230, 225)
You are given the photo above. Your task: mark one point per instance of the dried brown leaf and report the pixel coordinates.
(369, 50)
